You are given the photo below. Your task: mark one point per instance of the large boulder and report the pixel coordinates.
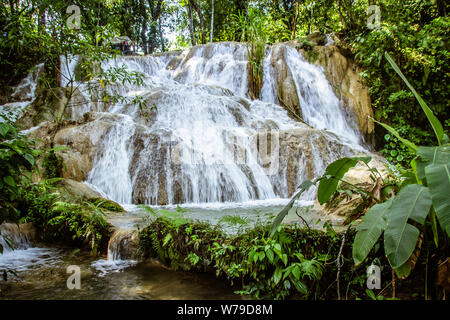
(286, 91)
(76, 189)
(82, 141)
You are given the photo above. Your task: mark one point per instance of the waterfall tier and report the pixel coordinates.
(199, 138)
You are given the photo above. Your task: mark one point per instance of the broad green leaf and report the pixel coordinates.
(431, 155)
(4, 128)
(437, 126)
(10, 181)
(270, 255)
(296, 272)
(279, 218)
(400, 237)
(29, 158)
(369, 231)
(336, 171)
(406, 142)
(435, 155)
(277, 275)
(300, 286)
(413, 164)
(438, 178)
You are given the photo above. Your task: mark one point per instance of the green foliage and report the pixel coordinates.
(370, 230)
(418, 46)
(415, 202)
(52, 165)
(400, 218)
(333, 174)
(106, 204)
(435, 124)
(17, 161)
(400, 237)
(254, 32)
(292, 263)
(62, 222)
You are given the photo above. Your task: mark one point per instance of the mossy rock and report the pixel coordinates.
(106, 204)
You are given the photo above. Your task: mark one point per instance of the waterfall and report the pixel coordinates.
(114, 155)
(24, 94)
(200, 139)
(319, 105)
(14, 236)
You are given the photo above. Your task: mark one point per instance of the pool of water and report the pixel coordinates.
(232, 218)
(41, 273)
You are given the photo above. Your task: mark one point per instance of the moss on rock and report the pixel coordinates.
(106, 204)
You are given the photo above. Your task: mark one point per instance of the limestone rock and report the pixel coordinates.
(344, 78)
(78, 189)
(286, 91)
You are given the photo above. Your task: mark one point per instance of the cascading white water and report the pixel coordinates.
(319, 105)
(115, 155)
(205, 140)
(24, 92)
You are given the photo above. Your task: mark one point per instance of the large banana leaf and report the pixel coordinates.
(400, 238)
(333, 173)
(438, 179)
(431, 155)
(437, 155)
(437, 126)
(369, 230)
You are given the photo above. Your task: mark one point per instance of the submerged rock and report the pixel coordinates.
(16, 236)
(123, 244)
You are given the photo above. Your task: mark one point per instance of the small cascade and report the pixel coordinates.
(14, 236)
(23, 94)
(19, 250)
(121, 250)
(320, 107)
(115, 155)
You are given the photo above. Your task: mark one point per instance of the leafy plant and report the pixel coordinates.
(253, 28)
(400, 218)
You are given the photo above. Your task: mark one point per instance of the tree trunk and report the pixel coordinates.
(155, 12)
(161, 37)
(212, 22)
(294, 24)
(201, 18)
(191, 24)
